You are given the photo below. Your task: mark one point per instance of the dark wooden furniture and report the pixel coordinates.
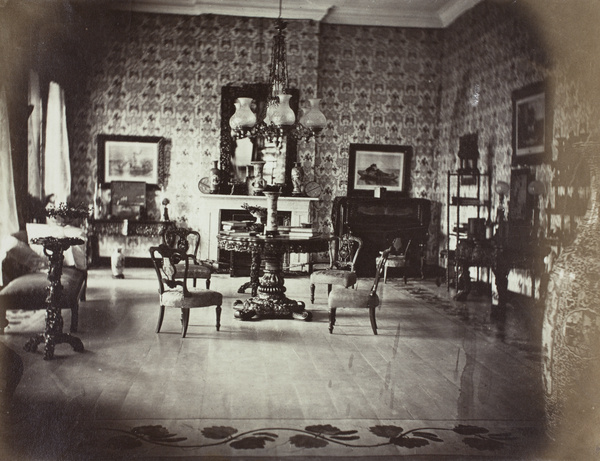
(188, 241)
(501, 254)
(468, 195)
(173, 291)
(270, 301)
(53, 333)
(343, 251)
(135, 237)
(362, 299)
(377, 221)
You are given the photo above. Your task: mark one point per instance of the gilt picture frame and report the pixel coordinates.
(374, 166)
(531, 125)
(131, 158)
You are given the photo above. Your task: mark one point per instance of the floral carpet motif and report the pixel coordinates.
(110, 440)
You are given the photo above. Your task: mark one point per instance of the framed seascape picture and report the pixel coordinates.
(374, 166)
(531, 125)
(130, 158)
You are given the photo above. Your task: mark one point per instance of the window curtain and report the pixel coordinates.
(34, 137)
(57, 167)
(9, 221)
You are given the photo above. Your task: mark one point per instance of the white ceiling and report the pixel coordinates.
(395, 13)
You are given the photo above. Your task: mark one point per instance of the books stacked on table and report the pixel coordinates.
(235, 226)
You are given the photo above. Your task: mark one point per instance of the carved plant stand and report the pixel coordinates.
(53, 334)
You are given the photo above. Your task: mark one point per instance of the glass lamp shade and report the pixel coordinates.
(283, 115)
(243, 116)
(502, 188)
(272, 106)
(314, 118)
(536, 188)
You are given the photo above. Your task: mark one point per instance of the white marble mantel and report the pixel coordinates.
(210, 206)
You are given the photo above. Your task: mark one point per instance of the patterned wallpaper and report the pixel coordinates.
(162, 75)
(379, 85)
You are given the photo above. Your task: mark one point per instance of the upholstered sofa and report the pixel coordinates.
(25, 272)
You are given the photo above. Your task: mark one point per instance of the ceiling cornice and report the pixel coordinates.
(409, 13)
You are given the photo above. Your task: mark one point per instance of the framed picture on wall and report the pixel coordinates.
(531, 125)
(130, 158)
(373, 166)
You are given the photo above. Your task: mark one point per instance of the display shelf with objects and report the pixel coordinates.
(468, 213)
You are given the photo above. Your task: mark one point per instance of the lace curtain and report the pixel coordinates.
(9, 221)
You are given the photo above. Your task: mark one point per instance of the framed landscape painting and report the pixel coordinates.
(373, 166)
(130, 158)
(531, 125)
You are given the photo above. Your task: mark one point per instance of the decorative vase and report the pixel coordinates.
(249, 177)
(297, 178)
(571, 333)
(283, 115)
(314, 118)
(271, 228)
(215, 178)
(117, 263)
(258, 182)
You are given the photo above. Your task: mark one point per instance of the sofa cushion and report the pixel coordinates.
(29, 290)
(18, 259)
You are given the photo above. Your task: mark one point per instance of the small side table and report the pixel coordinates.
(53, 334)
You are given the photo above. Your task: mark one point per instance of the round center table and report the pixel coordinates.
(270, 300)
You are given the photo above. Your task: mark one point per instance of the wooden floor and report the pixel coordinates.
(441, 380)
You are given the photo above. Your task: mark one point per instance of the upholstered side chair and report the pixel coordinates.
(172, 287)
(343, 251)
(188, 241)
(361, 299)
(398, 258)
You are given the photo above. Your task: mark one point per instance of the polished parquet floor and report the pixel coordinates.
(441, 380)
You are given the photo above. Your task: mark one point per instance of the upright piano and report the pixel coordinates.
(377, 221)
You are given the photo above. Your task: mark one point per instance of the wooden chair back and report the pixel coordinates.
(186, 240)
(165, 260)
(343, 251)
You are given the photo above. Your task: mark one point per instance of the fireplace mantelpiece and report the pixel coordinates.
(209, 217)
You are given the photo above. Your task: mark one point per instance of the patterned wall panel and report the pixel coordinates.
(488, 53)
(161, 75)
(379, 86)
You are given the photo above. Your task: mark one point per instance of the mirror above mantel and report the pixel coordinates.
(236, 154)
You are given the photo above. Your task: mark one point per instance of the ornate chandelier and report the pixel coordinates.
(279, 119)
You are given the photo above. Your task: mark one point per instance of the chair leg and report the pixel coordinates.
(194, 283)
(373, 321)
(161, 314)
(185, 320)
(312, 293)
(329, 289)
(385, 269)
(218, 318)
(207, 284)
(331, 319)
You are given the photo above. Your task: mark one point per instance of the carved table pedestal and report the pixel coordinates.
(53, 333)
(270, 301)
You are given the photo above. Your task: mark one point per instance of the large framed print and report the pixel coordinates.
(531, 125)
(130, 158)
(373, 166)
